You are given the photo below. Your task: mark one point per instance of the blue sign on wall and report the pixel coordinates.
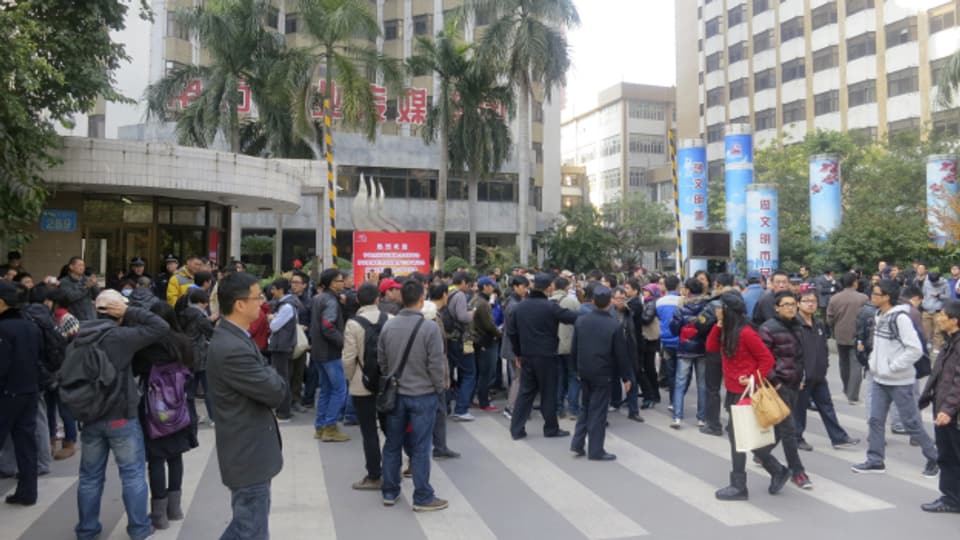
(58, 221)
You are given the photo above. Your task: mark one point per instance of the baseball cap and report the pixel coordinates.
(388, 284)
(753, 274)
(108, 298)
(484, 281)
(542, 281)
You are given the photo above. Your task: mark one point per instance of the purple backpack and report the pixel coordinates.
(167, 411)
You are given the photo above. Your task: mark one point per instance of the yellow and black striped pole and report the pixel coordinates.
(676, 202)
(331, 185)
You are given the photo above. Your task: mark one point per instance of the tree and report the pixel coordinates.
(948, 82)
(578, 241)
(526, 41)
(239, 45)
(58, 58)
(635, 223)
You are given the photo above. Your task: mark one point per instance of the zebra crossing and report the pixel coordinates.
(661, 486)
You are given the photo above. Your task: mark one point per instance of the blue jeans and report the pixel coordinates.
(486, 367)
(69, 422)
(333, 392)
(685, 368)
(902, 397)
(349, 411)
(572, 395)
(251, 513)
(420, 412)
(126, 441)
(466, 375)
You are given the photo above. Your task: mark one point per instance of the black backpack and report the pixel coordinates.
(451, 326)
(369, 364)
(54, 344)
(89, 382)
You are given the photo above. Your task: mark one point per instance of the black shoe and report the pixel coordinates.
(848, 443)
(606, 456)
(521, 435)
(578, 452)
(559, 433)
(636, 418)
(940, 506)
(932, 469)
(736, 491)
(22, 501)
(805, 446)
(869, 468)
(778, 480)
(647, 404)
(914, 441)
(707, 430)
(445, 454)
(898, 430)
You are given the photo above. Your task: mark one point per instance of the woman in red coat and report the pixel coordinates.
(743, 354)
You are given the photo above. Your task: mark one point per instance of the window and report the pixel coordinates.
(646, 144)
(764, 79)
(942, 21)
(646, 110)
(610, 146)
(902, 82)
(610, 178)
(791, 29)
(759, 6)
(290, 24)
(794, 69)
(740, 120)
(824, 15)
(907, 124)
(421, 25)
(714, 61)
(715, 97)
(739, 88)
(862, 93)
(736, 15)
(586, 154)
(482, 17)
(391, 29)
(715, 133)
(273, 18)
(737, 52)
(901, 32)
(712, 27)
(795, 111)
(853, 6)
(537, 111)
(826, 58)
(827, 102)
(946, 125)
(765, 119)
(763, 41)
(868, 134)
(860, 46)
(936, 66)
(174, 28)
(636, 177)
(538, 151)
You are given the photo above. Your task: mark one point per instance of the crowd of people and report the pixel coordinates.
(404, 355)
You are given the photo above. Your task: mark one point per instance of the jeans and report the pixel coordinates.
(367, 418)
(948, 448)
(633, 403)
(251, 513)
(668, 370)
(895, 415)
(419, 412)
(573, 386)
(819, 393)
(125, 439)
(882, 396)
(486, 364)
(685, 367)
(851, 372)
(349, 411)
(69, 422)
(333, 392)
(466, 376)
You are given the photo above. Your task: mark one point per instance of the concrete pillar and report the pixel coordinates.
(235, 233)
(278, 244)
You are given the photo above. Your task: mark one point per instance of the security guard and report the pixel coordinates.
(599, 351)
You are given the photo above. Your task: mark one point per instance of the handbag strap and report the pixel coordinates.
(749, 389)
(406, 352)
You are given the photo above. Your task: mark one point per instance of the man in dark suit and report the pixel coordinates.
(532, 328)
(599, 351)
(245, 392)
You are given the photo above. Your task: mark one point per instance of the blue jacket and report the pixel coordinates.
(665, 308)
(751, 295)
(691, 310)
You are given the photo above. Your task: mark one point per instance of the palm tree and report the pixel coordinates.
(480, 138)
(239, 44)
(447, 58)
(948, 83)
(526, 41)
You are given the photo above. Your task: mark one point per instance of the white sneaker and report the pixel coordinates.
(670, 408)
(676, 424)
(701, 423)
(465, 417)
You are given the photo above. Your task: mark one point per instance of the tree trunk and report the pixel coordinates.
(523, 183)
(473, 188)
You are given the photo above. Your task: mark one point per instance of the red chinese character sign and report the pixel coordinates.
(403, 252)
(194, 88)
(412, 107)
(763, 229)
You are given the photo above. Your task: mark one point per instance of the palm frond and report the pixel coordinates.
(948, 82)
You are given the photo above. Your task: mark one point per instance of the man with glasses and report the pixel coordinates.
(326, 339)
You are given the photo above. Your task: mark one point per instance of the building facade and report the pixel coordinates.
(789, 67)
(621, 141)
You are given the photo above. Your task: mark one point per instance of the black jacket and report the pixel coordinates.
(866, 318)
(765, 308)
(532, 326)
(326, 327)
(20, 349)
(778, 336)
(816, 355)
(943, 386)
(599, 347)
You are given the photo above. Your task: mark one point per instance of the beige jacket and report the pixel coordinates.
(353, 338)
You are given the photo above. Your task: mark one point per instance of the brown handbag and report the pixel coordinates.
(767, 404)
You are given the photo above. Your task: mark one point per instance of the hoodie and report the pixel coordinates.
(892, 358)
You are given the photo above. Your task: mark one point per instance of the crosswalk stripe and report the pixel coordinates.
(683, 485)
(825, 490)
(15, 520)
(459, 520)
(300, 506)
(576, 503)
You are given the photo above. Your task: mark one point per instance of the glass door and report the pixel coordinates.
(102, 252)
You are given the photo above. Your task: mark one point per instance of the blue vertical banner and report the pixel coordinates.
(941, 188)
(738, 167)
(763, 228)
(826, 209)
(692, 194)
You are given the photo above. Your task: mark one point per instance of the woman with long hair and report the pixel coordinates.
(165, 450)
(743, 353)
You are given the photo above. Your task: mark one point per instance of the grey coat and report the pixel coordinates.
(79, 297)
(425, 370)
(245, 391)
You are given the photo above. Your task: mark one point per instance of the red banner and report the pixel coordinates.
(403, 252)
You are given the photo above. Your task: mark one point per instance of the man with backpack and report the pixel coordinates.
(360, 336)
(456, 317)
(283, 338)
(97, 384)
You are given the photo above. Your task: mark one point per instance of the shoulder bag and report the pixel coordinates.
(390, 385)
(767, 404)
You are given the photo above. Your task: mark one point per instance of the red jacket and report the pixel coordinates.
(750, 356)
(260, 328)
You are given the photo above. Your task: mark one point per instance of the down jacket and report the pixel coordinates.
(691, 310)
(778, 335)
